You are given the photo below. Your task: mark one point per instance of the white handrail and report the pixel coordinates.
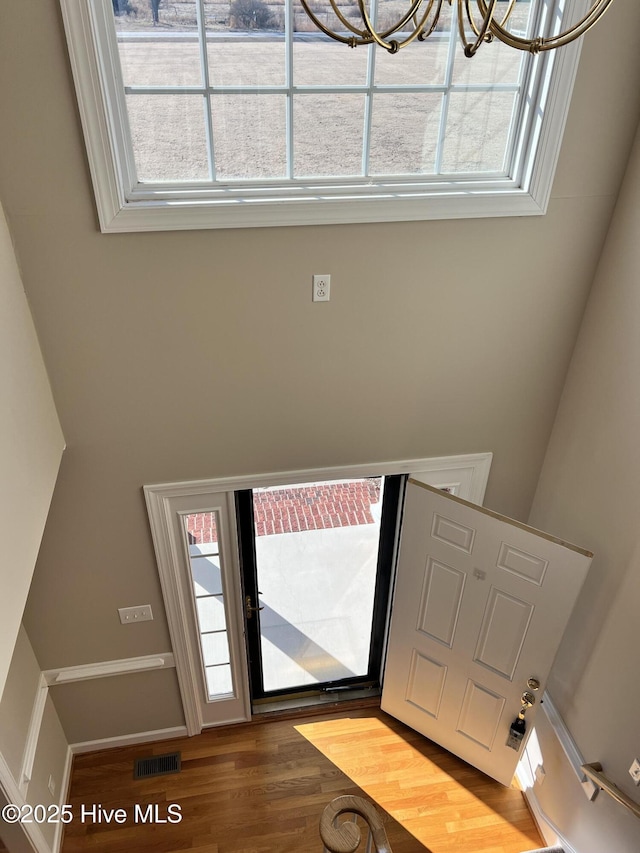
(594, 772)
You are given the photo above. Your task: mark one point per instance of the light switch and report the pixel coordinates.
(141, 613)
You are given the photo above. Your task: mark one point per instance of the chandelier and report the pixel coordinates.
(477, 23)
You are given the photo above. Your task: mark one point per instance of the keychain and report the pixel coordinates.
(518, 727)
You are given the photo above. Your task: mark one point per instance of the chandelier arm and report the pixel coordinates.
(470, 18)
(415, 34)
(424, 34)
(351, 27)
(481, 34)
(505, 18)
(362, 37)
(507, 14)
(391, 46)
(358, 38)
(542, 43)
(379, 38)
(412, 13)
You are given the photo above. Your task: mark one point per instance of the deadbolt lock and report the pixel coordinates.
(528, 699)
(533, 684)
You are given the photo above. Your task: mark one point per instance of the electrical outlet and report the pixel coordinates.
(321, 288)
(634, 771)
(141, 613)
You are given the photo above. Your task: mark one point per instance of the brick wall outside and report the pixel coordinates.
(318, 506)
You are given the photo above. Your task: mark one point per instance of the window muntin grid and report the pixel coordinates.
(206, 573)
(222, 117)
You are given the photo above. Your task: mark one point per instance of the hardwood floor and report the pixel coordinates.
(260, 787)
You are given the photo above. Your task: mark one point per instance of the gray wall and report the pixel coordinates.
(17, 703)
(590, 492)
(32, 445)
(191, 355)
(51, 753)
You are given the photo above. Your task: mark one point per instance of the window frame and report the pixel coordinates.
(124, 207)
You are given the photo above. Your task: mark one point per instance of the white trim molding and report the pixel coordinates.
(104, 669)
(566, 741)
(128, 740)
(527, 776)
(37, 713)
(546, 827)
(472, 469)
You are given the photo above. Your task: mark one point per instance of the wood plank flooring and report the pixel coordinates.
(260, 787)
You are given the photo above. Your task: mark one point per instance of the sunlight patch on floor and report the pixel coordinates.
(436, 797)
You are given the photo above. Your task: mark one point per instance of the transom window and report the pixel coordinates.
(239, 112)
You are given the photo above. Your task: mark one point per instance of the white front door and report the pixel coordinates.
(480, 606)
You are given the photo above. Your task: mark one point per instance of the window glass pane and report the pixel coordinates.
(211, 613)
(320, 61)
(413, 150)
(202, 532)
(477, 131)
(419, 62)
(494, 63)
(168, 137)
(246, 61)
(249, 136)
(317, 555)
(219, 682)
(164, 53)
(328, 132)
(520, 19)
(215, 648)
(150, 59)
(207, 548)
(207, 579)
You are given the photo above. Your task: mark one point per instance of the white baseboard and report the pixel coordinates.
(128, 740)
(548, 830)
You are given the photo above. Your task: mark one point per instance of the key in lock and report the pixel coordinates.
(518, 727)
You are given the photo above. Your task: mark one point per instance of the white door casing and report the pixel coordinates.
(168, 503)
(480, 606)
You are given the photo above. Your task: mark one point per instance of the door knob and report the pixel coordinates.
(249, 609)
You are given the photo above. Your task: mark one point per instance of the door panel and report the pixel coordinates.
(480, 606)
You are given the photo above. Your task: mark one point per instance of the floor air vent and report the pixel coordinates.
(156, 765)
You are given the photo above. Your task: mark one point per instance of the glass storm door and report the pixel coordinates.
(316, 561)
